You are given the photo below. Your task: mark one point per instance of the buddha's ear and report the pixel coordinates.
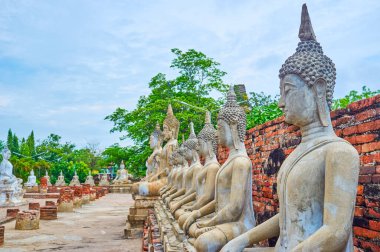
(210, 150)
(319, 87)
(235, 135)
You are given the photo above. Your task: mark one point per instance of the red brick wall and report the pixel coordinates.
(268, 144)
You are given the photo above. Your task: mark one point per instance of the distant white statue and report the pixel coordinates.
(11, 191)
(104, 180)
(48, 178)
(122, 176)
(61, 180)
(32, 180)
(89, 179)
(75, 181)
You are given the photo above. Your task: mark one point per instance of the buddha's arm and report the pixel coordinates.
(234, 208)
(266, 230)
(180, 192)
(209, 189)
(183, 201)
(341, 179)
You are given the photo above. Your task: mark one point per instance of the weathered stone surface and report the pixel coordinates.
(27, 220)
(34, 206)
(2, 230)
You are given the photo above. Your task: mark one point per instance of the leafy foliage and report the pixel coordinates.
(353, 96)
(263, 108)
(198, 76)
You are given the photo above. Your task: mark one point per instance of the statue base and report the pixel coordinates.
(126, 188)
(32, 189)
(137, 216)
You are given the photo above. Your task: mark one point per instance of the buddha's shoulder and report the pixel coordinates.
(240, 161)
(340, 146)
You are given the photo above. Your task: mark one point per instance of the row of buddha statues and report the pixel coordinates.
(316, 184)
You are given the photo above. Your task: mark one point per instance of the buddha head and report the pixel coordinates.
(122, 166)
(171, 125)
(155, 137)
(207, 138)
(32, 173)
(183, 154)
(231, 122)
(6, 153)
(191, 145)
(307, 80)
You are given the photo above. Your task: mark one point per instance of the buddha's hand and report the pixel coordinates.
(203, 224)
(200, 231)
(174, 208)
(187, 208)
(236, 244)
(190, 220)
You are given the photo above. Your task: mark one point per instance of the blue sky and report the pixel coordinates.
(65, 65)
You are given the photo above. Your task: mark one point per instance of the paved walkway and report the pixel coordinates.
(98, 226)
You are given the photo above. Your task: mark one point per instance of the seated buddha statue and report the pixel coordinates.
(317, 181)
(61, 180)
(169, 135)
(32, 180)
(205, 181)
(11, 191)
(191, 154)
(231, 212)
(122, 176)
(153, 162)
(104, 180)
(90, 179)
(177, 175)
(75, 180)
(47, 178)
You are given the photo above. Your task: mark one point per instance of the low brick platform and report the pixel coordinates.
(48, 213)
(41, 195)
(27, 220)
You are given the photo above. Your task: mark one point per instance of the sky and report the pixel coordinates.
(66, 65)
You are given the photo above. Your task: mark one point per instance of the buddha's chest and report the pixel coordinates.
(223, 182)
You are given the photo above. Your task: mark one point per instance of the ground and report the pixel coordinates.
(98, 226)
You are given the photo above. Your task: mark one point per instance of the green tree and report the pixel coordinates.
(353, 96)
(31, 144)
(10, 139)
(198, 75)
(264, 108)
(15, 144)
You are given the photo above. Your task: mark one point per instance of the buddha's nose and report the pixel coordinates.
(281, 103)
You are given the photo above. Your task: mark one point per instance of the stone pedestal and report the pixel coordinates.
(32, 189)
(137, 216)
(66, 200)
(34, 206)
(48, 213)
(2, 229)
(50, 203)
(12, 212)
(126, 188)
(28, 220)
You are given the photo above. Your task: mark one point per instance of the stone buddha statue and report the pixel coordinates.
(153, 162)
(317, 182)
(169, 135)
(177, 174)
(90, 179)
(231, 212)
(61, 180)
(190, 180)
(75, 180)
(11, 191)
(122, 176)
(104, 180)
(205, 180)
(32, 180)
(47, 178)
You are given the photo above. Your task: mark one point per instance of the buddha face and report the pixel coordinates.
(152, 141)
(297, 101)
(167, 133)
(188, 154)
(203, 147)
(224, 134)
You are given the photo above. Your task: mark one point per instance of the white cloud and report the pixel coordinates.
(65, 65)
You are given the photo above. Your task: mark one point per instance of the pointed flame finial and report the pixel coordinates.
(170, 110)
(208, 117)
(306, 32)
(192, 132)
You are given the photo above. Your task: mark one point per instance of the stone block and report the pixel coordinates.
(12, 212)
(34, 206)
(66, 206)
(28, 220)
